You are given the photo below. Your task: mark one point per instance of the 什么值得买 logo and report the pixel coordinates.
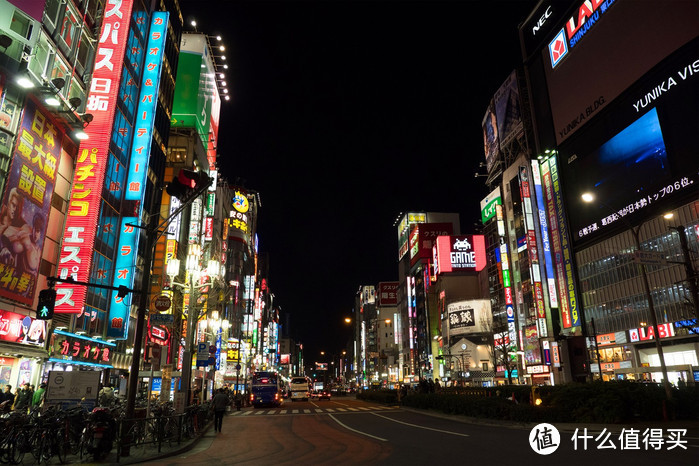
(558, 48)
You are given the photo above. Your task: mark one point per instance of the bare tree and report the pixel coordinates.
(501, 350)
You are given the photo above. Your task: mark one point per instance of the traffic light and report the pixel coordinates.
(47, 299)
(186, 182)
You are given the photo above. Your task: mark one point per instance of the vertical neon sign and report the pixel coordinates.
(90, 165)
(127, 251)
(543, 223)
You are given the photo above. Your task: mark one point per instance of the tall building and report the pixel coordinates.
(626, 275)
(98, 78)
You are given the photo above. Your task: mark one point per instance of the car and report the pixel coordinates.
(323, 395)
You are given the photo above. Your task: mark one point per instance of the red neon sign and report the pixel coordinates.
(461, 253)
(90, 166)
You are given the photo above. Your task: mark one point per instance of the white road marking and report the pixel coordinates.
(422, 427)
(355, 430)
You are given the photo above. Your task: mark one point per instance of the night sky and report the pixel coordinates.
(343, 115)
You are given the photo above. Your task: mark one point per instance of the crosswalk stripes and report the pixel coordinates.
(277, 411)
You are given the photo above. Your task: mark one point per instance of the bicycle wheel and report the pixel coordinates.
(85, 445)
(45, 450)
(62, 446)
(18, 447)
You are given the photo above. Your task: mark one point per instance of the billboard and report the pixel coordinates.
(422, 237)
(18, 328)
(579, 48)
(507, 110)
(642, 160)
(90, 165)
(27, 203)
(490, 137)
(238, 226)
(388, 293)
(460, 254)
(488, 205)
(472, 316)
(134, 194)
(404, 230)
(195, 88)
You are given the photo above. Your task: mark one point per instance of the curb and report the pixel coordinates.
(159, 456)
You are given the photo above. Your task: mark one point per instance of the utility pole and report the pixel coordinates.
(689, 270)
(153, 234)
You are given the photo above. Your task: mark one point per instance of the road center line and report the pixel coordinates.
(421, 427)
(355, 430)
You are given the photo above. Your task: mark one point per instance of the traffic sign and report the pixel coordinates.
(162, 319)
(649, 258)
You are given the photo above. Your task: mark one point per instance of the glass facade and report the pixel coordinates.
(612, 288)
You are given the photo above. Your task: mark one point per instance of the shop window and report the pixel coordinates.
(51, 13)
(21, 24)
(85, 50)
(39, 61)
(69, 27)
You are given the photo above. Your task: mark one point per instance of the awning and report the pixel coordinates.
(18, 350)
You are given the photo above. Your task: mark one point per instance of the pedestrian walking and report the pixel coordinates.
(219, 404)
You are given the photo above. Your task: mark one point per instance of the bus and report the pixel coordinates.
(266, 389)
(299, 388)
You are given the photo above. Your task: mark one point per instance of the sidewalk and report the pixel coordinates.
(140, 454)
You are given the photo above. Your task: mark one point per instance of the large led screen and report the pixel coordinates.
(639, 158)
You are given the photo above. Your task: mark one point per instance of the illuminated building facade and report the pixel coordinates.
(626, 141)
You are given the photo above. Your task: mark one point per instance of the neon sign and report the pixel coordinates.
(90, 165)
(127, 251)
(455, 253)
(575, 28)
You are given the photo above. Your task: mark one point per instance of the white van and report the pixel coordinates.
(299, 388)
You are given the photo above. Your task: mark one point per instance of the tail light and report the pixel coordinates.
(252, 397)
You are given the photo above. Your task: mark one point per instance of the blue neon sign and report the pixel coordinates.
(127, 251)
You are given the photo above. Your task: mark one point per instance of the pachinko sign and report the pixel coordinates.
(127, 251)
(90, 165)
(27, 203)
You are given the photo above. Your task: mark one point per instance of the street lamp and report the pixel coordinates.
(194, 275)
(635, 232)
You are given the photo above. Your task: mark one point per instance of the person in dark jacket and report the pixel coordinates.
(219, 403)
(23, 399)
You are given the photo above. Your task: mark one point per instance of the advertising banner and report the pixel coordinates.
(192, 104)
(532, 352)
(557, 250)
(27, 203)
(126, 259)
(507, 110)
(578, 48)
(490, 137)
(388, 293)
(570, 289)
(79, 233)
(472, 316)
(71, 348)
(460, 253)
(422, 239)
(489, 204)
(18, 328)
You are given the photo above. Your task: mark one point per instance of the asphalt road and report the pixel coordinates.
(348, 431)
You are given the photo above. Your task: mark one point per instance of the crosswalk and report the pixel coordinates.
(285, 411)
